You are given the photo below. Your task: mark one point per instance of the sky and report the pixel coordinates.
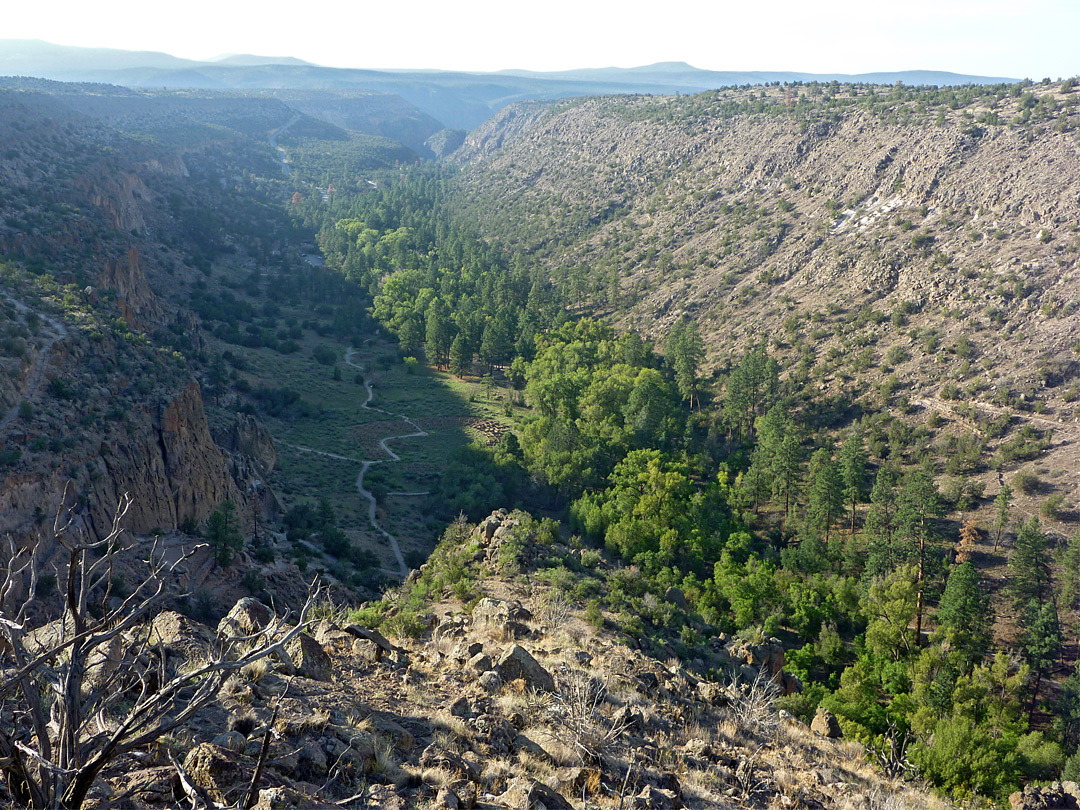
(1014, 38)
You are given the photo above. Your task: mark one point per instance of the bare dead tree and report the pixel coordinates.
(577, 719)
(90, 690)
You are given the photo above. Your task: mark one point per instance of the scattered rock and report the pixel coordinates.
(446, 799)
(1057, 796)
(460, 707)
(490, 681)
(374, 636)
(628, 719)
(479, 663)
(232, 740)
(312, 761)
(657, 798)
(436, 757)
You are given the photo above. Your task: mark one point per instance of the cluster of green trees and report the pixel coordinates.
(772, 509)
(434, 284)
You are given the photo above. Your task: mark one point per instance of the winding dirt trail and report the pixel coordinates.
(33, 383)
(367, 464)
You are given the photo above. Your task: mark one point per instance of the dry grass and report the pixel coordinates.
(496, 773)
(386, 765)
(255, 671)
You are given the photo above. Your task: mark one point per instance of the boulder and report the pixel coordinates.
(216, 770)
(435, 757)
(826, 724)
(461, 707)
(769, 656)
(287, 798)
(374, 636)
(526, 794)
(233, 740)
(312, 763)
(675, 596)
(518, 663)
(332, 637)
(479, 663)
(1052, 797)
(309, 658)
(446, 799)
(367, 650)
(628, 719)
(247, 617)
(498, 616)
(791, 684)
(496, 733)
(177, 632)
(657, 798)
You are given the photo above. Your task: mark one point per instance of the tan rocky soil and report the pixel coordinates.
(512, 703)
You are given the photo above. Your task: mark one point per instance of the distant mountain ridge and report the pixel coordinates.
(458, 99)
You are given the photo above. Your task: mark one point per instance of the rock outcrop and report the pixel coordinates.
(126, 278)
(171, 467)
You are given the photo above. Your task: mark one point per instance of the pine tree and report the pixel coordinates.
(881, 524)
(1002, 510)
(1041, 640)
(685, 350)
(460, 356)
(438, 333)
(411, 335)
(853, 471)
(965, 609)
(825, 496)
(223, 534)
(1029, 565)
(787, 472)
(919, 503)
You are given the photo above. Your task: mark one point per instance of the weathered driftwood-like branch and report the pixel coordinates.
(98, 688)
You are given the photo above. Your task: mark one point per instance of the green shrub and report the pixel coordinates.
(1027, 481)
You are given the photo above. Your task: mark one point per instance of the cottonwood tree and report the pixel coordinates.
(92, 685)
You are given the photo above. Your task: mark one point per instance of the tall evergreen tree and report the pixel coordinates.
(685, 350)
(1002, 511)
(460, 355)
(1029, 566)
(881, 525)
(825, 493)
(439, 333)
(920, 502)
(853, 470)
(965, 609)
(1041, 640)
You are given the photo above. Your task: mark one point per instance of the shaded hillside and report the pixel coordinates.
(180, 116)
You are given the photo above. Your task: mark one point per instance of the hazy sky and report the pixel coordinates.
(1012, 38)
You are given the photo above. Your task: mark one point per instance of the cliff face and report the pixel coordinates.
(166, 461)
(170, 466)
(133, 296)
(121, 197)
